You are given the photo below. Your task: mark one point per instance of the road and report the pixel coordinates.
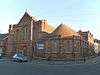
(43, 68)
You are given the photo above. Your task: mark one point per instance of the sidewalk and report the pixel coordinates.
(59, 62)
(94, 60)
(52, 62)
(77, 61)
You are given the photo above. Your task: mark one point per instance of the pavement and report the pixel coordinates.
(87, 61)
(92, 60)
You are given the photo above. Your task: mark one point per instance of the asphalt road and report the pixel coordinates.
(43, 68)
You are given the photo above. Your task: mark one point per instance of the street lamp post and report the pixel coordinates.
(73, 51)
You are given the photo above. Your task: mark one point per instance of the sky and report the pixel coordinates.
(79, 14)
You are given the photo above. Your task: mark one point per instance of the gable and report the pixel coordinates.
(26, 19)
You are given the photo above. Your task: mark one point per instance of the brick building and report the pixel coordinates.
(63, 43)
(88, 36)
(37, 38)
(23, 35)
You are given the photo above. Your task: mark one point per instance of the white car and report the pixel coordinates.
(18, 57)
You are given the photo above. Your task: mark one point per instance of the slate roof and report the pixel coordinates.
(2, 36)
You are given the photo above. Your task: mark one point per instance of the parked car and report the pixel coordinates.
(0, 55)
(18, 57)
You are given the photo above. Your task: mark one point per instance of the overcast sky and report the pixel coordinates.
(79, 14)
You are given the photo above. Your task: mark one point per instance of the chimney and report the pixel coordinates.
(10, 27)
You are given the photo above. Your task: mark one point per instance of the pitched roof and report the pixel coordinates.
(46, 27)
(50, 28)
(26, 17)
(64, 30)
(2, 36)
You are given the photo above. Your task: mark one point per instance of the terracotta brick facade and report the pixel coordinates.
(23, 35)
(63, 43)
(36, 38)
(88, 36)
